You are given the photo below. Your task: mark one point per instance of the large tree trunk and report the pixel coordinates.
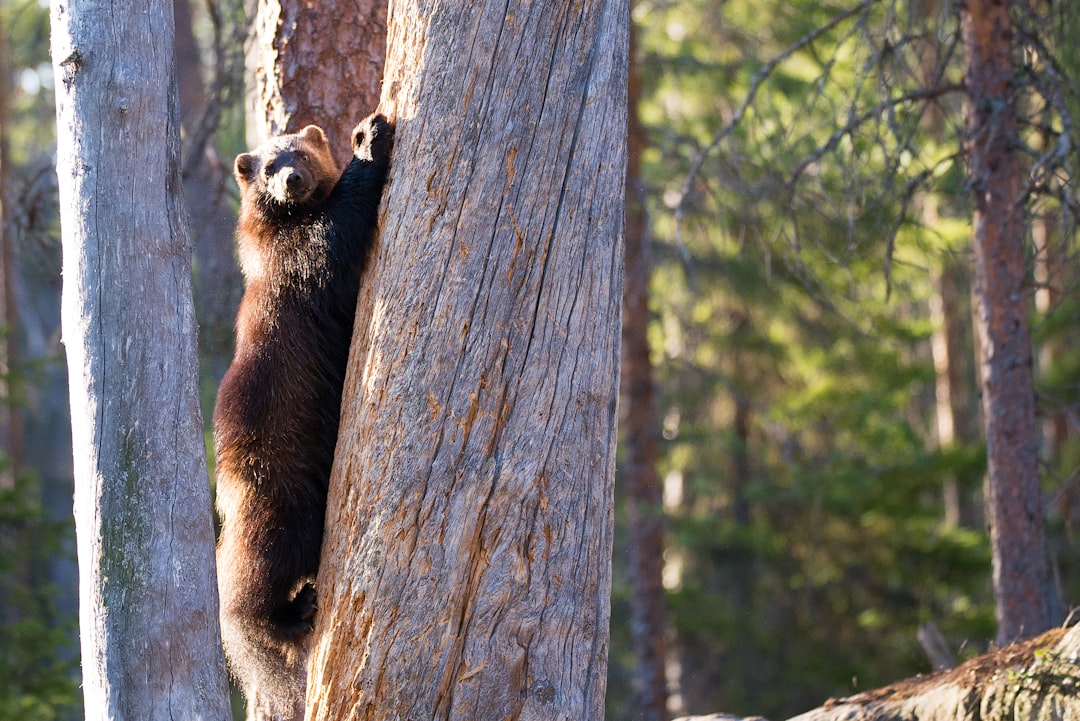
(466, 563)
(642, 492)
(148, 599)
(315, 63)
(1014, 501)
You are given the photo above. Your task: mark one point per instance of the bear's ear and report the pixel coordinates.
(245, 167)
(314, 134)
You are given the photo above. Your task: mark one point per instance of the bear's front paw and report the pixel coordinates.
(372, 138)
(306, 605)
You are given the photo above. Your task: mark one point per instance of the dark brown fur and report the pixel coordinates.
(303, 235)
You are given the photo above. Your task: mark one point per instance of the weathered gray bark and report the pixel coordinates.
(466, 565)
(148, 599)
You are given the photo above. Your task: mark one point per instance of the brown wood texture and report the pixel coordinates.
(315, 63)
(641, 489)
(1014, 501)
(466, 566)
(148, 597)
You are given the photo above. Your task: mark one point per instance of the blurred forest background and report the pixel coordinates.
(800, 186)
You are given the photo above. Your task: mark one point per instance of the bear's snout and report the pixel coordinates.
(290, 186)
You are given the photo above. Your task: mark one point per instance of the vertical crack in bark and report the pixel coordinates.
(475, 565)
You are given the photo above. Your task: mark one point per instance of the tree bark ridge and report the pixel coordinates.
(1014, 501)
(469, 522)
(148, 606)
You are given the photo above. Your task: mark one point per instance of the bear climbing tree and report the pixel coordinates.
(304, 235)
(466, 564)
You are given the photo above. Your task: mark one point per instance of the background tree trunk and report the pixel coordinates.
(955, 405)
(207, 179)
(1014, 500)
(315, 63)
(466, 569)
(11, 426)
(640, 478)
(148, 613)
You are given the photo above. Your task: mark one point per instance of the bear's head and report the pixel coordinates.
(288, 170)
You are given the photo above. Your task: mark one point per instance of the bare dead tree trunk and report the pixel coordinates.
(148, 612)
(951, 347)
(1014, 502)
(315, 63)
(643, 493)
(466, 564)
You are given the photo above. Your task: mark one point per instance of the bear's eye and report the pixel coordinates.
(269, 169)
(300, 155)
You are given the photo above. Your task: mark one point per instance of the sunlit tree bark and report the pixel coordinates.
(148, 597)
(466, 563)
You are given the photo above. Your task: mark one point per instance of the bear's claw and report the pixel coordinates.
(372, 138)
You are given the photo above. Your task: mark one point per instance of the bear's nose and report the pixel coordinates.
(292, 181)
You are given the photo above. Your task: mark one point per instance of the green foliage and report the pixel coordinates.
(29, 77)
(38, 667)
(806, 190)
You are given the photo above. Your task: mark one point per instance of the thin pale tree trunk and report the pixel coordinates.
(1014, 500)
(148, 597)
(466, 563)
(951, 348)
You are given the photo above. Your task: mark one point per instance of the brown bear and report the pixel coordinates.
(304, 234)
